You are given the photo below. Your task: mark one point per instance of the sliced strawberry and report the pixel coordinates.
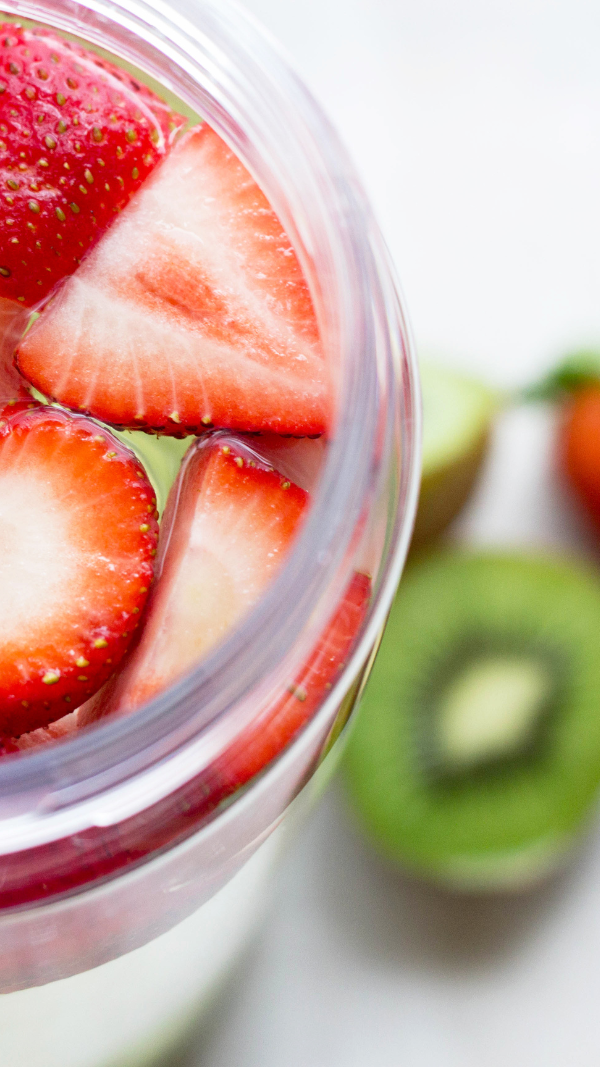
(8, 746)
(78, 136)
(227, 527)
(225, 532)
(13, 320)
(299, 459)
(55, 731)
(191, 312)
(278, 724)
(78, 533)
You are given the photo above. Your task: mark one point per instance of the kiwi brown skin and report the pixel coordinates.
(445, 491)
(507, 826)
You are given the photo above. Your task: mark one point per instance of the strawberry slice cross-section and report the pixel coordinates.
(191, 312)
(78, 534)
(78, 137)
(228, 525)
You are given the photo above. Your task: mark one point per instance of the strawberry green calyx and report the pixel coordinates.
(576, 371)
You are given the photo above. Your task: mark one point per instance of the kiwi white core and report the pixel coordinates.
(490, 710)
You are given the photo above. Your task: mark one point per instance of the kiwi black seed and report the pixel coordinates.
(475, 756)
(458, 412)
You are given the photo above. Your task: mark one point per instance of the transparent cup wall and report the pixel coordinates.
(105, 845)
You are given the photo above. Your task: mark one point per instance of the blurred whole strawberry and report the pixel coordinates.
(576, 381)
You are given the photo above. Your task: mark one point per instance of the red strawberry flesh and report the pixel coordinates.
(13, 320)
(226, 529)
(78, 136)
(299, 459)
(8, 746)
(77, 538)
(192, 311)
(278, 724)
(44, 735)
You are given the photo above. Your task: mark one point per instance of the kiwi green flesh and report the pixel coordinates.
(160, 457)
(457, 414)
(457, 410)
(505, 810)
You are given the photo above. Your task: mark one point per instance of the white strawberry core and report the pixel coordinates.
(215, 585)
(37, 561)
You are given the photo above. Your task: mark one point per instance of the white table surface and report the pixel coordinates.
(475, 125)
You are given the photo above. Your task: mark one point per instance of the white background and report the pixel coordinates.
(475, 125)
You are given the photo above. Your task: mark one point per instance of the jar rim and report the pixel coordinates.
(222, 54)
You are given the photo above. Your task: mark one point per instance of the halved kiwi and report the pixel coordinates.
(475, 756)
(457, 416)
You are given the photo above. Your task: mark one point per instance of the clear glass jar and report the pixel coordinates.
(122, 896)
